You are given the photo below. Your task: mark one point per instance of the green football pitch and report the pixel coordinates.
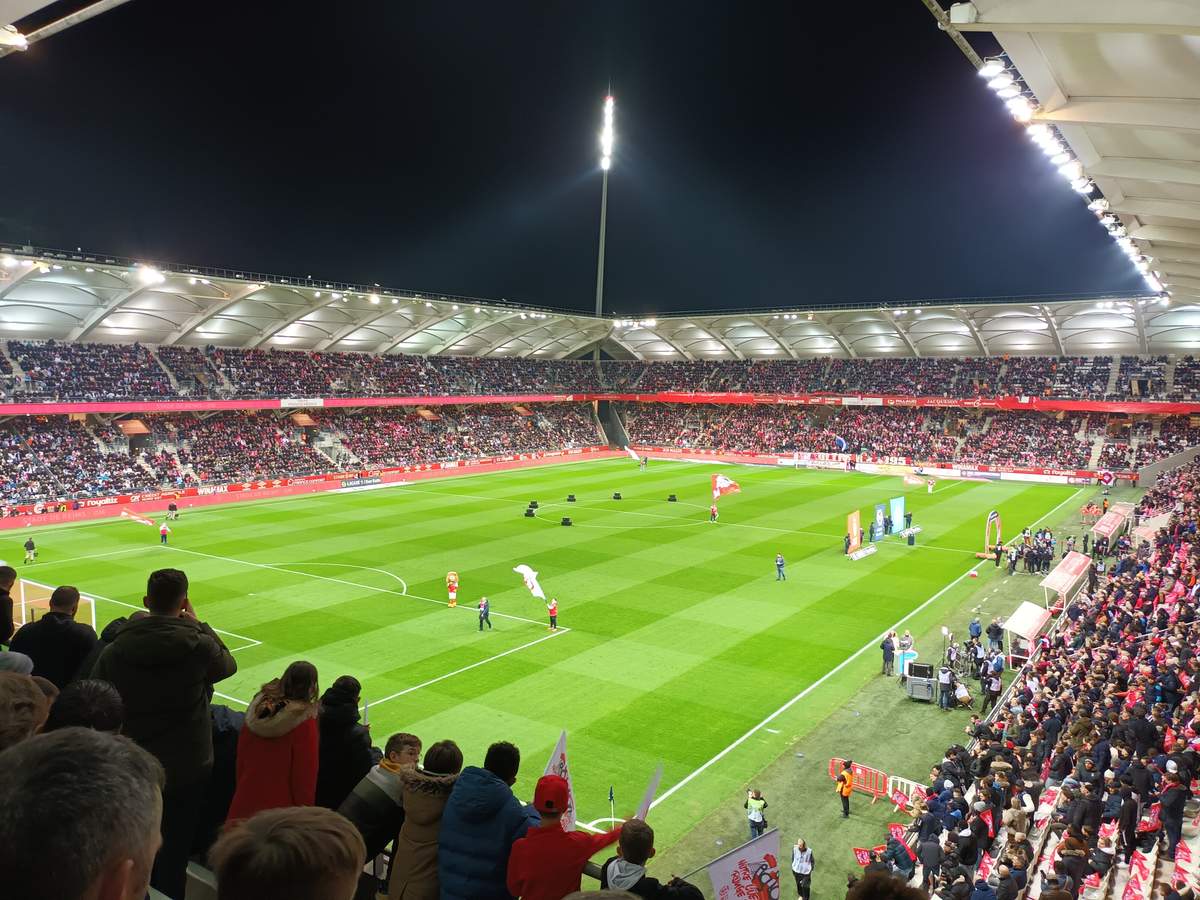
(677, 644)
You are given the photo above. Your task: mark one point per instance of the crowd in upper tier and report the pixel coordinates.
(58, 371)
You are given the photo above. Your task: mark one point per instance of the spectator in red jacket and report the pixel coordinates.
(277, 750)
(547, 864)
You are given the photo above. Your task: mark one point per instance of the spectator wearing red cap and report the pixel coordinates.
(547, 864)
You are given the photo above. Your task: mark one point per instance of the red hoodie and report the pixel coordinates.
(547, 864)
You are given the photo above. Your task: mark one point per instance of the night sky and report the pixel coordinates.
(768, 153)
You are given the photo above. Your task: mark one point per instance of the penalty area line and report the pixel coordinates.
(816, 684)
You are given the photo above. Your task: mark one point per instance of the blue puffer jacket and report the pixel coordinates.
(481, 821)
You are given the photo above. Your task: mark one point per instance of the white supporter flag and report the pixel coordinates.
(126, 514)
(633, 453)
(722, 485)
(531, 580)
(752, 870)
(557, 765)
(648, 797)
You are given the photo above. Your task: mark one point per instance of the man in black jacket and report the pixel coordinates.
(164, 666)
(56, 643)
(1174, 796)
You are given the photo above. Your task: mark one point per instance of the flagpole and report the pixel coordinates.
(727, 853)
(612, 804)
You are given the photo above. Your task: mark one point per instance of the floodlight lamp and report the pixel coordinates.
(1108, 221)
(1002, 80)
(1083, 185)
(607, 136)
(991, 67)
(1098, 206)
(1054, 147)
(1062, 158)
(1007, 93)
(477, 309)
(1070, 170)
(650, 323)
(1038, 130)
(606, 163)
(8, 262)
(395, 301)
(1021, 109)
(375, 298)
(150, 275)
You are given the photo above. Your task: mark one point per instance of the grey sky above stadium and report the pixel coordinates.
(767, 154)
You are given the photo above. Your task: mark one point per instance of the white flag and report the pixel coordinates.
(648, 797)
(126, 514)
(752, 870)
(531, 580)
(633, 453)
(557, 765)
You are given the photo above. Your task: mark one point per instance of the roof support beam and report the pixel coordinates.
(762, 323)
(971, 327)
(515, 336)
(1167, 254)
(1081, 27)
(202, 318)
(481, 324)
(1189, 237)
(1174, 209)
(1165, 115)
(392, 343)
(1053, 326)
(1168, 170)
(274, 328)
(7, 286)
(346, 330)
(903, 335)
(1140, 320)
(98, 315)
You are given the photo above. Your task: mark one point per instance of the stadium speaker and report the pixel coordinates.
(616, 495)
(672, 499)
(529, 513)
(533, 504)
(566, 520)
(912, 539)
(570, 498)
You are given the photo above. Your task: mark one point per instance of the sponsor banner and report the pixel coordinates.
(896, 512)
(1040, 479)
(854, 529)
(863, 552)
(361, 482)
(300, 402)
(877, 522)
(979, 475)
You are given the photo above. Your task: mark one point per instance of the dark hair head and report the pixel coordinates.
(678, 889)
(90, 703)
(637, 841)
(79, 795)
(504, 761)
(166, 589)
(443, 758)
(301, 852)
(7, 576)
(397, 742)
(298, 682)
(64, 598)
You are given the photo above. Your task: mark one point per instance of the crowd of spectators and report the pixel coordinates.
(1019, 439)
(64, 371)
(106, 372)
(1086, 764)
(238, 446)
(108, 742)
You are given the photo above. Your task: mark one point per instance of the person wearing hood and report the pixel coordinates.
(164, 664)
(277, 748)
(346, 754)
(983, 891)
(376, 805)
(627, 870)
(481, 822)
(426, 790)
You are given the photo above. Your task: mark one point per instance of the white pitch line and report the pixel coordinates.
(812, 687)
(403, 583)
(230, 699)
(251, 642)
(59, 562)
(474, 665)
(365, 587)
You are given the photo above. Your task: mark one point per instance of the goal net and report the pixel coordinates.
(33, 601)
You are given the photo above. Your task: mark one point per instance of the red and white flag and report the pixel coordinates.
(751, 871)
(531, 580)
(557, 765)
(126, 514)
(722, 485)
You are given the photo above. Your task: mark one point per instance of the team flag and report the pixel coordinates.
(632, 453)
(648, 797)
(557, 765)
(722, 485)
(752, 870)
(126, 514)
(531, 580)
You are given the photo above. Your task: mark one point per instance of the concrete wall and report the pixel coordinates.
(1147, 474)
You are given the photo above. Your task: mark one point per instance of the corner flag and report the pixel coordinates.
(722, 485)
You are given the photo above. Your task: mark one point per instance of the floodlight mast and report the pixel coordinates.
(606, 150)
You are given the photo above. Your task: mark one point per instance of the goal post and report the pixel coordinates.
(33, 601)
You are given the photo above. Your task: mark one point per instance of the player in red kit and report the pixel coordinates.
(712, 513)
(552, 608)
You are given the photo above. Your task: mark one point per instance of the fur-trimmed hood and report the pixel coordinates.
(421, 782)
(287, 717)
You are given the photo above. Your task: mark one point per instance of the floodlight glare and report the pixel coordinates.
(1059, 158)
(1038, 130)
(991, 68)
(1002, 80)
(150, 275)
(1070, 170)
(606, 135)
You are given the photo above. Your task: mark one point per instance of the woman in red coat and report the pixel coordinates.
(277, 750)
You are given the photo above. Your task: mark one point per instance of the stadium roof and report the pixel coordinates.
(1120, 82)
(76, 296)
